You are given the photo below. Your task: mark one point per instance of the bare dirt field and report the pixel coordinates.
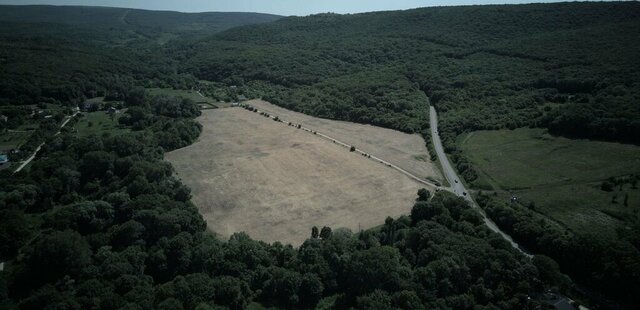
(249, 173)
(403, 150)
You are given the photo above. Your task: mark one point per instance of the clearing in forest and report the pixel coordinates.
(273, 181)
(561, 177)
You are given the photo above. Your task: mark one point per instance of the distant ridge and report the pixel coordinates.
(98, 16)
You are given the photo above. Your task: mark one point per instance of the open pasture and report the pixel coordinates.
(250, 173)
(561, 176)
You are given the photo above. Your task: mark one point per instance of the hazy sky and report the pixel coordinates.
(281, 7)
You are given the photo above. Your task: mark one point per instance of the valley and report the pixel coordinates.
(451, 157)
(274, 181)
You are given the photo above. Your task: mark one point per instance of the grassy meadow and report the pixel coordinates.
(11, 140)
(561, 177)
(97, 123)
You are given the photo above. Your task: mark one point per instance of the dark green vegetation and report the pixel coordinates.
(98, 220)
(588, 191)
(124, 26)
(609, 265)
(570, 68)
(97, 123)
(60, 56)
(205, 102)
(27, 126)
(83, 52)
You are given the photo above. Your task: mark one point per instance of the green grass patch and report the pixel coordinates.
(95, 100)
(97, 123)
(525, 158)
(562, 177)
(10, 140)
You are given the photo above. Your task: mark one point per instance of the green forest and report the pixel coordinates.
(568, 67)
(99, 221)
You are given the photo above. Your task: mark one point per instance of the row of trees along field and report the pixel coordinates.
(571, 68)
(100, 222)
(610, 266)
(113, 228)
(568, 67)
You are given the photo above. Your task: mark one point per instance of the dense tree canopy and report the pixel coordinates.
(110, 227)
(570, 67)
(101, 222)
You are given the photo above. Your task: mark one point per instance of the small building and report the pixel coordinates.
(4, 159)
(89, 106)
(86, 106)
(242, 98)
(3, 118)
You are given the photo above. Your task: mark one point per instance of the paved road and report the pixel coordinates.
(28, 160)
(449, 173)
(456, 185)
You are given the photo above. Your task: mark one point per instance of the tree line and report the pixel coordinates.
(101, 222)
(610, 266)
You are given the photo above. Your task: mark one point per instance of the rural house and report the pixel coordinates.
(89, 106)
(4, 159)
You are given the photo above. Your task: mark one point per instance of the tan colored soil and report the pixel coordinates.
(403, 150)
(249, 173)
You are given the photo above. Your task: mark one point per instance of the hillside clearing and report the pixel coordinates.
(562, 177)
(250, 173)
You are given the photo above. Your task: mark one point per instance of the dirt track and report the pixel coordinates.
(249, 173)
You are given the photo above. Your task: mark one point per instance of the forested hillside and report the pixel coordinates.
(132, 21)
(570, 67)
(67, 54)
(101, 222)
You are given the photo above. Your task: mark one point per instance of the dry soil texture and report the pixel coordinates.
(403, 150)
(249, 173)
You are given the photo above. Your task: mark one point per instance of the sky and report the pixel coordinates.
(280, 7)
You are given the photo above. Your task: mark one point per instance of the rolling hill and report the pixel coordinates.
(54, 54)
(571, 67)
(101, 221)
(143, 22)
